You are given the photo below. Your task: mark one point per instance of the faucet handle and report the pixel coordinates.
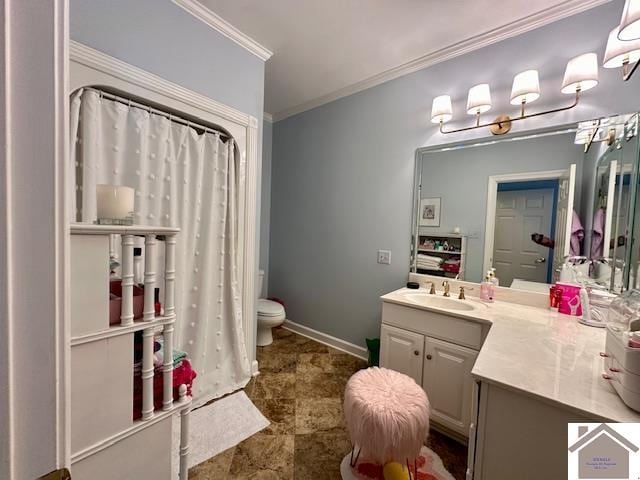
(432, 290)
(461, 295)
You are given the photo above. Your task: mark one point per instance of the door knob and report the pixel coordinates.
(429, 357)
(540, 260)
(416, 352)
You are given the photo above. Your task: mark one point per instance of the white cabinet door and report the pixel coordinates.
(401, 350)
(447, 380)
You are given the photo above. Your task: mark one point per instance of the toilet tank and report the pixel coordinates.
(260, 281)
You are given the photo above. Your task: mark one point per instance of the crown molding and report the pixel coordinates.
(267, 117)
(558, 12)
(98, 60)
(216, 22)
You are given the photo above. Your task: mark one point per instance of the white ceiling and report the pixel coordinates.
(324, 49)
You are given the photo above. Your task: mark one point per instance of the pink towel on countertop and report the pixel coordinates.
(597, 247)
(577, 235)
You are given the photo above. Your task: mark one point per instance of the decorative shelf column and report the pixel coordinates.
(169, 311)
(126, 309)
(184, 435)
(149, 313)
(147, 373)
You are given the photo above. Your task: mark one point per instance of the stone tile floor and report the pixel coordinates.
(300, 390)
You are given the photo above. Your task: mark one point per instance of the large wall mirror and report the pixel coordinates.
(534, 207)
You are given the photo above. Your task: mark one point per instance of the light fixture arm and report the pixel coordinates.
(628, 71)
(521, 117)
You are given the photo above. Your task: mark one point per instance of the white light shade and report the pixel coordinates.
(479, 100)
(617, 51)
(441, 110)
(581, 73)
(630, 23)
(526, 87)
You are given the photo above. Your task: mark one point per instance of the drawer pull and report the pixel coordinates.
(416, 352)
(615, 370)
(429, 357)
(606, 377)
(604, 354)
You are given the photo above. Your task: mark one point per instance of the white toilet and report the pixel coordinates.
(270, 314)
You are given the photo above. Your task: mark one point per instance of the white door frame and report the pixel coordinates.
(34, 239)
(492, 199)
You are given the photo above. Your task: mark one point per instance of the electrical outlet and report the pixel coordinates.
(384, 257)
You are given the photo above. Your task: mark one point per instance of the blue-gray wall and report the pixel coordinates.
(162, 38)
(342, 174)
(460, 177)
(265, 203)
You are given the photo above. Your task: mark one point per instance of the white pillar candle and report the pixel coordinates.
(114, 202)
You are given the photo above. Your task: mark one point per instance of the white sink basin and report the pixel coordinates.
(446, 303)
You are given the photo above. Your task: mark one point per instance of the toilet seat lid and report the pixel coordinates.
(269, 308)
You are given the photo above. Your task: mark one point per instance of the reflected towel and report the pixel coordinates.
(577, 235)
(597, 247)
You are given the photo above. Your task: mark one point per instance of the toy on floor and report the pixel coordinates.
(395, 471)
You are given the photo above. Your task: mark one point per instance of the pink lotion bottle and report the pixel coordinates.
(486, 290)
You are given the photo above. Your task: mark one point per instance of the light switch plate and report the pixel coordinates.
(384, 257)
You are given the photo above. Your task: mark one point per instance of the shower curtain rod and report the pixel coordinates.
(170, 116)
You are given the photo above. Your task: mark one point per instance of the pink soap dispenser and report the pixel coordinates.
(486, 290)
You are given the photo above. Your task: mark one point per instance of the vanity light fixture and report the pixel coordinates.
(630, 22)
(622, 54)
(580, 75)
(441, 111)
(479, 100)
(525, 89)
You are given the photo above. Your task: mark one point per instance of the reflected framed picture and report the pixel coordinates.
(430, 212)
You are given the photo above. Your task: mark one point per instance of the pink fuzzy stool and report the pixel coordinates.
(387, 415)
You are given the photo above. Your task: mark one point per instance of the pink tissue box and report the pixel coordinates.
(570, 301)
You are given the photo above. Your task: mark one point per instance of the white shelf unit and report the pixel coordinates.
(458, 241)
(106, 442)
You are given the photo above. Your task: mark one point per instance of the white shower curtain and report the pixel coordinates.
(183, 178)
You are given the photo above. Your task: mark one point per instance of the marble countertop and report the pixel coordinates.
(540, 353)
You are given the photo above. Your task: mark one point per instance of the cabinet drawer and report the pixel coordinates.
(452, 329)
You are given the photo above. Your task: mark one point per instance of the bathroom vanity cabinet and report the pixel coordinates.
(438, 351)
(510, 391)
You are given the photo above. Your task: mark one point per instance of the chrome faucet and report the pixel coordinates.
(445, 284)
(432, 290)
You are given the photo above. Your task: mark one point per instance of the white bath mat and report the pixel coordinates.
(217, 427)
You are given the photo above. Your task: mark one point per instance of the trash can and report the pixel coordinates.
(373, 345)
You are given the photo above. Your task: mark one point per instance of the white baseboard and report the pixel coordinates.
(326, 339)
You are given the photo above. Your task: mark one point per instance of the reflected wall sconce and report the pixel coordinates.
(580, 75)
(606, 130)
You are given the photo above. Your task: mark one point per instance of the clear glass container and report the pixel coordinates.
(624, 312)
